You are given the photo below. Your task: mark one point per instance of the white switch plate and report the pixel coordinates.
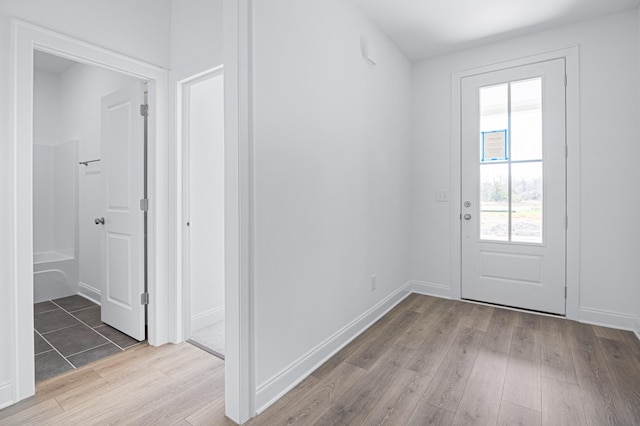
(442, 196)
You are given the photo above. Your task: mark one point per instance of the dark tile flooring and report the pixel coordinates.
(69, 334)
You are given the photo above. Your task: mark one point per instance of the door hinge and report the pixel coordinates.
(566, 151)
(144, 204)
(566, 222)
(144, 110)
(566, 80)
(144, 299)
(565, 292)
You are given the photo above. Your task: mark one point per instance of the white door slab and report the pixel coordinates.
(122, 128)
(513, 215)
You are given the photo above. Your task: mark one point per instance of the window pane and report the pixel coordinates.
(494, 108)
(494, 205)
(526, 198)
(526, 120)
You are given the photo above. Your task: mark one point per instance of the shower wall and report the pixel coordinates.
(55, 196)
(68, 196)
(55, 190)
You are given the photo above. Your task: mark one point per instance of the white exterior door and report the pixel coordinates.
(514, 187)
(122, 128)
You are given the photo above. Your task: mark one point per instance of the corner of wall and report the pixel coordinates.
(610, 319)
(430, 289)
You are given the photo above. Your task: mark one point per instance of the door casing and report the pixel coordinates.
(571, 55)
(26, 39)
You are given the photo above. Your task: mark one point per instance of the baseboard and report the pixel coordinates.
(610, 319)
(206, 318)
(429, 289)
(89, 292)
(6, 395)
(287, 379)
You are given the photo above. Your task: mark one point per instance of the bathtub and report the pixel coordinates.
(53, 275)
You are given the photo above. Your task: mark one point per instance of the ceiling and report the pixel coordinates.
(426, 28)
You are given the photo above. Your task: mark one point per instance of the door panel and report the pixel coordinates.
(123, 188)
(513, 187)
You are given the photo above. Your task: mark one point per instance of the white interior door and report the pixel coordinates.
(514, 187)
(122, 128)
(203, 123)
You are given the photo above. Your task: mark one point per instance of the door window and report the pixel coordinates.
(511, 162)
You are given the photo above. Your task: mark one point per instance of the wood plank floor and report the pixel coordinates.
(428, 361)
(441, 362)
(172, 384)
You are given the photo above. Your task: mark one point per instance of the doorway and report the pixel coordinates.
(513, 179)
(88, 229)
(29, 39)
(202, 133)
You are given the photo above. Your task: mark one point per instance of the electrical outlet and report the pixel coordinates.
(373, 282)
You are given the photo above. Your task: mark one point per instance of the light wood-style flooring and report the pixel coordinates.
(172, 384)
(428, 361)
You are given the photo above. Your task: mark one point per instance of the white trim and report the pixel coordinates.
(430, 289)
(239, 242)
(609, 319)
(207, 318)
(636, 329)
(6, 393)
(25, 39)
(89, 292)
(289, 377)
(571, 55)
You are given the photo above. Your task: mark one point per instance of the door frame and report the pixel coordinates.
(26, 38)
(572, 114)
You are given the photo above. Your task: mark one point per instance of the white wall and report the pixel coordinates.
(206, 200)
(331, 148)
(46, 108)
(115, 25)
(140, 29)
(637, 297)
(609, 243)
(196, 30)
(6, 221)
(81, 90)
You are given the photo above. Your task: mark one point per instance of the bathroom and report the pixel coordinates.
(67, 202)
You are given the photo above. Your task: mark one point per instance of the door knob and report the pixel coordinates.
(467, 216)
(99, 220)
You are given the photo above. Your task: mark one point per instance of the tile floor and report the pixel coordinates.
(69, 334)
